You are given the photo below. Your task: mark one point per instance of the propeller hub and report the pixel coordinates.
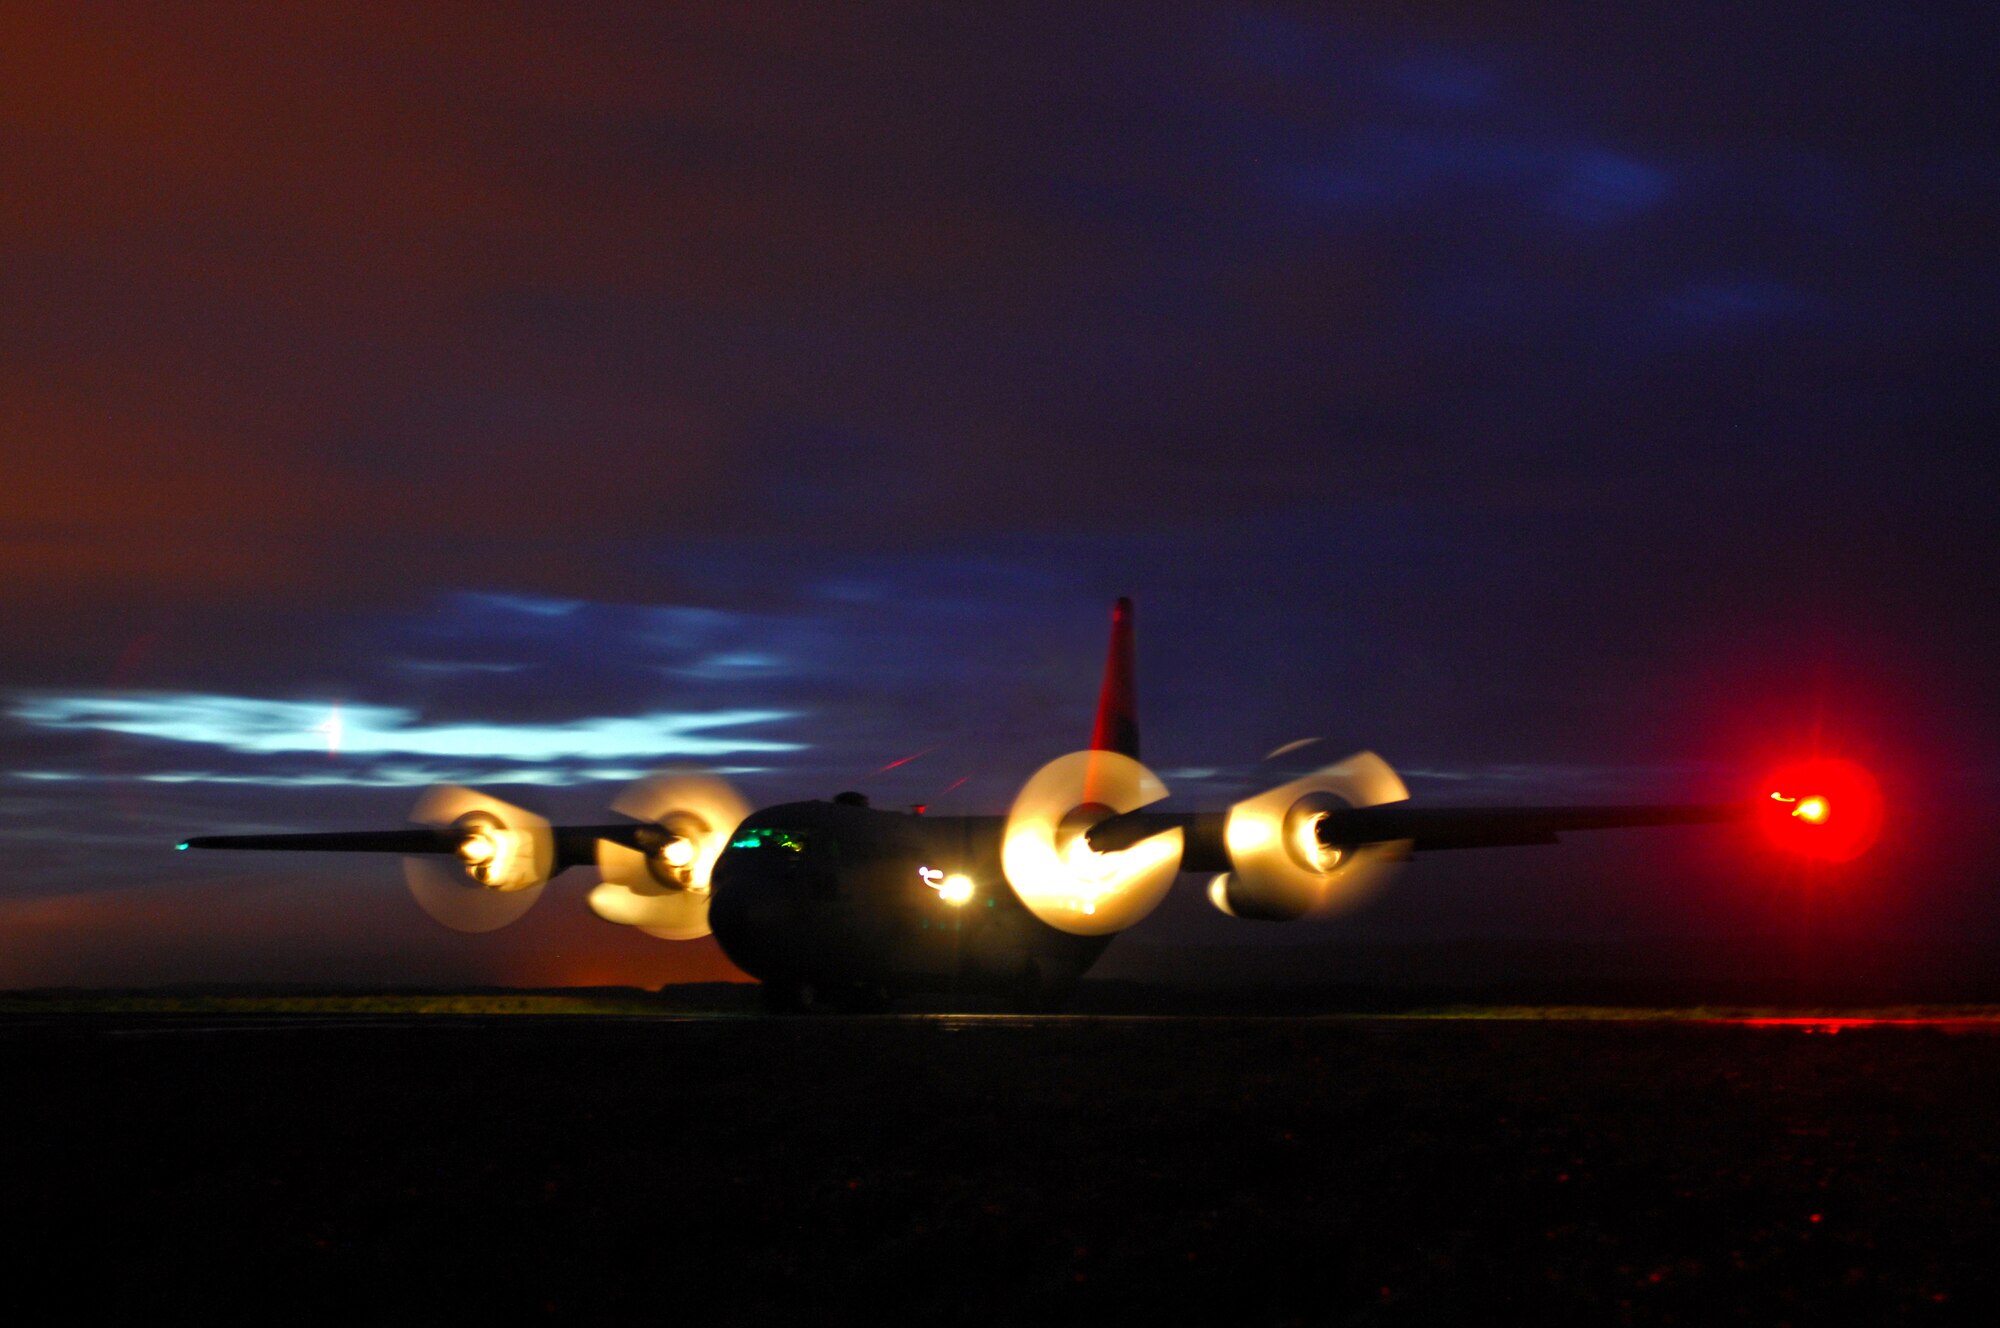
(672, 847)
(486, 849)
(1307, 823)
(1073, 843)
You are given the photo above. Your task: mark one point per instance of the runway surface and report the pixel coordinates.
(983, 1169)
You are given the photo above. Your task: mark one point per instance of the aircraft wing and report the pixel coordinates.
(1498, 827)
(575, 845)
(1424, 828)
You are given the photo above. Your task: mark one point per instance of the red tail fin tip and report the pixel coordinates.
(1117, 728)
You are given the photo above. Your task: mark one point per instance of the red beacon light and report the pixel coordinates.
(1830, 809)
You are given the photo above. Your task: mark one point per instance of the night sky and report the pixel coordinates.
(1571, 404)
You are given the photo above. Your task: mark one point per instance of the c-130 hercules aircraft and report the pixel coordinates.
(839, 903)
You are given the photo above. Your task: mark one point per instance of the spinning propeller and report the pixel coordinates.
(1051, 865)
(501, 856)
(662, 887)
(1283, 865)
(505, 854)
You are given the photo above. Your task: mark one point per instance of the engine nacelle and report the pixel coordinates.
(1285, 861)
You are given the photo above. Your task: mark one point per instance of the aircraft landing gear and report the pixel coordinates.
(801, 996)
(1034, 993)
(788, 997)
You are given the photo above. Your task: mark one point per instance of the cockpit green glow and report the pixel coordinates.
(755, 837)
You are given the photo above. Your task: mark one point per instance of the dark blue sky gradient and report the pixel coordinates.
(1570, 404)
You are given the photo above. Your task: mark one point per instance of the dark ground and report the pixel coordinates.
(969, 1170)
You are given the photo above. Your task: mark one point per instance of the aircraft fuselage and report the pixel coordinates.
(835, 901)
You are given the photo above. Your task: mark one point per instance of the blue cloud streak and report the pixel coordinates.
(256, 726)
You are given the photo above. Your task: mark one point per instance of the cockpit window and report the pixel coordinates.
(785, 841)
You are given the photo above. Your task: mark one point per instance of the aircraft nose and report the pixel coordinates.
(758, 923)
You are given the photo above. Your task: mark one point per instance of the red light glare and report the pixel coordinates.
(1830, 809)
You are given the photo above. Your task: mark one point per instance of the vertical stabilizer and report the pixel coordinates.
(1117, 727)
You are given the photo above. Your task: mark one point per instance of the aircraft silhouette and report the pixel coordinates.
(837, 902)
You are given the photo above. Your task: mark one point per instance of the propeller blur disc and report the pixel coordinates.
(1279, 868)
(442, 891)
(498, 874)
(665, 891)
(1050, 864)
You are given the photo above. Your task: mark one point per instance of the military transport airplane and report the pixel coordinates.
(839, 902)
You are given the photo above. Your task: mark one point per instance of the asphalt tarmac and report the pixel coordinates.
(993, 1169)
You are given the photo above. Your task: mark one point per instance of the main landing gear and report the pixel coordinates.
(802, 996)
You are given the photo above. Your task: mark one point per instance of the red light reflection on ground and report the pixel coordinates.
(1979, 1023)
